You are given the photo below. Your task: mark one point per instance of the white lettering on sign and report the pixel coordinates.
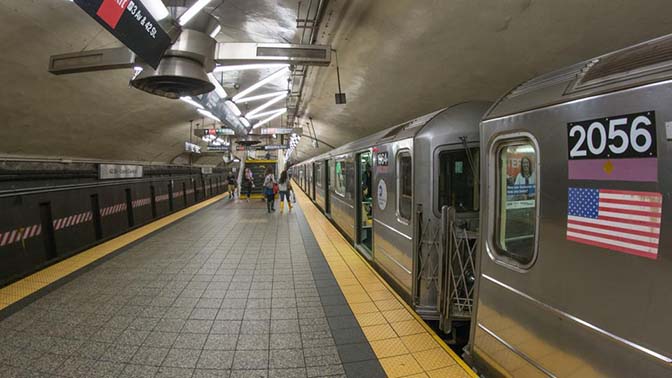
(142, 19)
(628, 136)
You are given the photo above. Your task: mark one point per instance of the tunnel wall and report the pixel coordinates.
(41, 225)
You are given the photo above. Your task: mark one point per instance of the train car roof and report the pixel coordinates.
(633, 66)
(398, 132)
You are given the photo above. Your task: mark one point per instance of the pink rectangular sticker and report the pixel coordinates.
(634, 169)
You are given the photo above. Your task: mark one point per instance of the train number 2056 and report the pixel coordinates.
(626, 136)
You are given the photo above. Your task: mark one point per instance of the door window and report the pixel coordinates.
(339, 178)
(516, 220)
(404, 185)
(459, 180)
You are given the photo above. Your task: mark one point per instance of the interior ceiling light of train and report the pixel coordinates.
(194, 67)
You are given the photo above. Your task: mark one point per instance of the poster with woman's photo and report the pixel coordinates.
(521, 186)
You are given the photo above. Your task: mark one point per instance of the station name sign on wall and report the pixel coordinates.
(117, 171)
(132, 24)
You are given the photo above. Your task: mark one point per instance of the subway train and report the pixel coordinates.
(536, 219)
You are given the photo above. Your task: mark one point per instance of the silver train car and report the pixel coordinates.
(575, 272)
(386, 193)
(559, 263)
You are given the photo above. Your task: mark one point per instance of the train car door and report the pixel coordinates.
(364, 203)
(327, 186)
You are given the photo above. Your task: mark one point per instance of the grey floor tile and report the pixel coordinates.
(253, 341)
(285, 341)
(172, 372)
(249, 373)
(211, 373)
(286, 358)
(288, 373)
(215, 359)
(139, 371)
(221, 342)
(250, 359)
(149, 356)
(182, 358)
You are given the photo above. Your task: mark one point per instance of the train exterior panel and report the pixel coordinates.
(574, 273)
(342, 193)
(393, 208)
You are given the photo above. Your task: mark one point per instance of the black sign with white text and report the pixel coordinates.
(618, 137)
(132, 24)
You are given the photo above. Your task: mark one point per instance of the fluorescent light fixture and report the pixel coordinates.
(261, 83)
(269, 119)
(209, 115)
(191, 102)
(218, 87)
(244, 121)
(191, 12)
(264, 114)
(216, 31)
(266, 105)
(260, 97)
(244, 67)
(156, 8)
(232, 106)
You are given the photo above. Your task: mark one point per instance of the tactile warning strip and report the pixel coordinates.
(403, 343)
(18, 290)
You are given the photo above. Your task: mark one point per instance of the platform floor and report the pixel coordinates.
(228, 291)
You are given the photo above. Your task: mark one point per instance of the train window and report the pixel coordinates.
(339, 178)
(459, 180)
(318, 175)
(517, 202)
(404, 185)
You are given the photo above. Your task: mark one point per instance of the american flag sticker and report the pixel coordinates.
(618, 220)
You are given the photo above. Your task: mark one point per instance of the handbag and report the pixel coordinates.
(276, 188)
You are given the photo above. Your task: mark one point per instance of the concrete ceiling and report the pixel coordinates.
(399, 59)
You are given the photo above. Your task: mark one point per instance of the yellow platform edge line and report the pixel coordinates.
(26, 286)
(417, 317)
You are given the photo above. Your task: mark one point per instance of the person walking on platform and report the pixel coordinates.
(284, 185)
(231, 181)
(248, 183)
(269, 184)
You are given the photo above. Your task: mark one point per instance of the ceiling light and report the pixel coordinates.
(264, 114)
(156, 8)
(266, 105)
(216, 31)
(244, 67)
(244, 121)
(191, 102)
(260, 97)
(191, 12)
(269, 119)
(233, 108)
(218, 87)
(209, 115)
(261, 83)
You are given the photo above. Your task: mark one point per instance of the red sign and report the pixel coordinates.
(111, 10)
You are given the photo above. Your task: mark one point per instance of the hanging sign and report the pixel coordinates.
(215, 132)
(281, 131)
(219, 148)
(620, 148)
(273, 147)
(132, 24)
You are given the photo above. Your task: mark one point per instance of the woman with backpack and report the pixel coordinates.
(269, 192)
(284, 186)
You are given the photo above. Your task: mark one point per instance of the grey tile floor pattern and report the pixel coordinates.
(226, 292)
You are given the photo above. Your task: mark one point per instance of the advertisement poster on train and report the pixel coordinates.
(616, 148)
(520, 177)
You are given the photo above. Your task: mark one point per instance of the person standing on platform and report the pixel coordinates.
(231, 181)
(248, 183)
(269, 183)
(284, 186)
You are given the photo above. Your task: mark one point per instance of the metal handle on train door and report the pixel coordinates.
(417, 245)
